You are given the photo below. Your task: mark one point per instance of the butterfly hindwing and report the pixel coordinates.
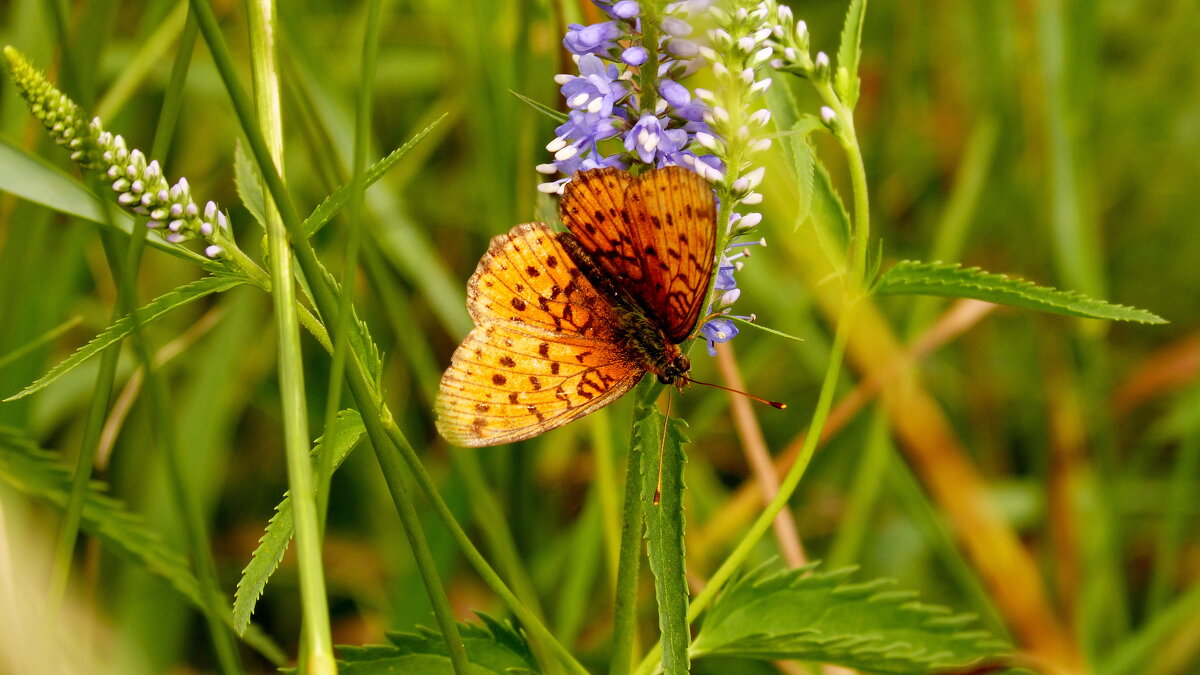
(544, 350)
(653, 236)
(508, 382)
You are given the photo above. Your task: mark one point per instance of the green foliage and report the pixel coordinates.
(248, 181)
(36, 473)
(347, 429)
(32, 178)
(803, 615)
(819, 204)
(663, 511)
(910, 277)
(145, 315)
(1087, 177)
(494, 647)
(828, 216)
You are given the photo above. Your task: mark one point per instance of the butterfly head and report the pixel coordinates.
(675, 370)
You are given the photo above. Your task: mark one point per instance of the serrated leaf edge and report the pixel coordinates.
(973, 277)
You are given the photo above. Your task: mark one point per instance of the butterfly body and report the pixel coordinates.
(567, 322)
(645, 342)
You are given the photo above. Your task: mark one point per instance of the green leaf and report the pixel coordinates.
(347, 429)
(798, 614)
(361, 345)
(803, 164)
(147, 314)
(248, 182)
(494, 647)
(546, 110)
(951, 280)
(326, 209)
(32, 178)
(664, 532)
(829, 217)
(845, 81)
(37, 473)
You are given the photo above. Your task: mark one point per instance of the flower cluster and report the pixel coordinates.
(715, 133)
(789, 43)
(139, 184)
(738, 50)
(609, 123)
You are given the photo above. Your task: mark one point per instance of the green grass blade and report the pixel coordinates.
(951, 280)
(48, 336)
(147, 314)
(30, 177)
(1137, 654)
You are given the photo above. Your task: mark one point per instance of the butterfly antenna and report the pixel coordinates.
(662, 447)
(773, 404)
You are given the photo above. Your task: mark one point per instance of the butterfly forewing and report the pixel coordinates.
(543, 351)
(676, 215)
(653, 236)
(593, 208)
(528, 276)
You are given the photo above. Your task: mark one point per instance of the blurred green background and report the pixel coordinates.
(1058, 140)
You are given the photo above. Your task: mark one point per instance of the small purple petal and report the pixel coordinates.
(684, 49)
(718, 330)
(626, 9)
(597, 38)
(676, 27)
(635, 56)
(674, 93)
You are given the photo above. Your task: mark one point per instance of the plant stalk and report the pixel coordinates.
(317, 652)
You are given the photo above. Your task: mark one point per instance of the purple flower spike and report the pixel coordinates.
(597, 38)
(635, 56)
(718, 330)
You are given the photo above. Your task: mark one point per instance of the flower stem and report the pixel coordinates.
(786, 488)
(648, 71)
(317, 652)
(861, 237)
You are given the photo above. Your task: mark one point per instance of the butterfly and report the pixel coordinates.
(567, 322)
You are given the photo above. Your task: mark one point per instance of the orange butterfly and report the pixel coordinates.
(565, 323)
